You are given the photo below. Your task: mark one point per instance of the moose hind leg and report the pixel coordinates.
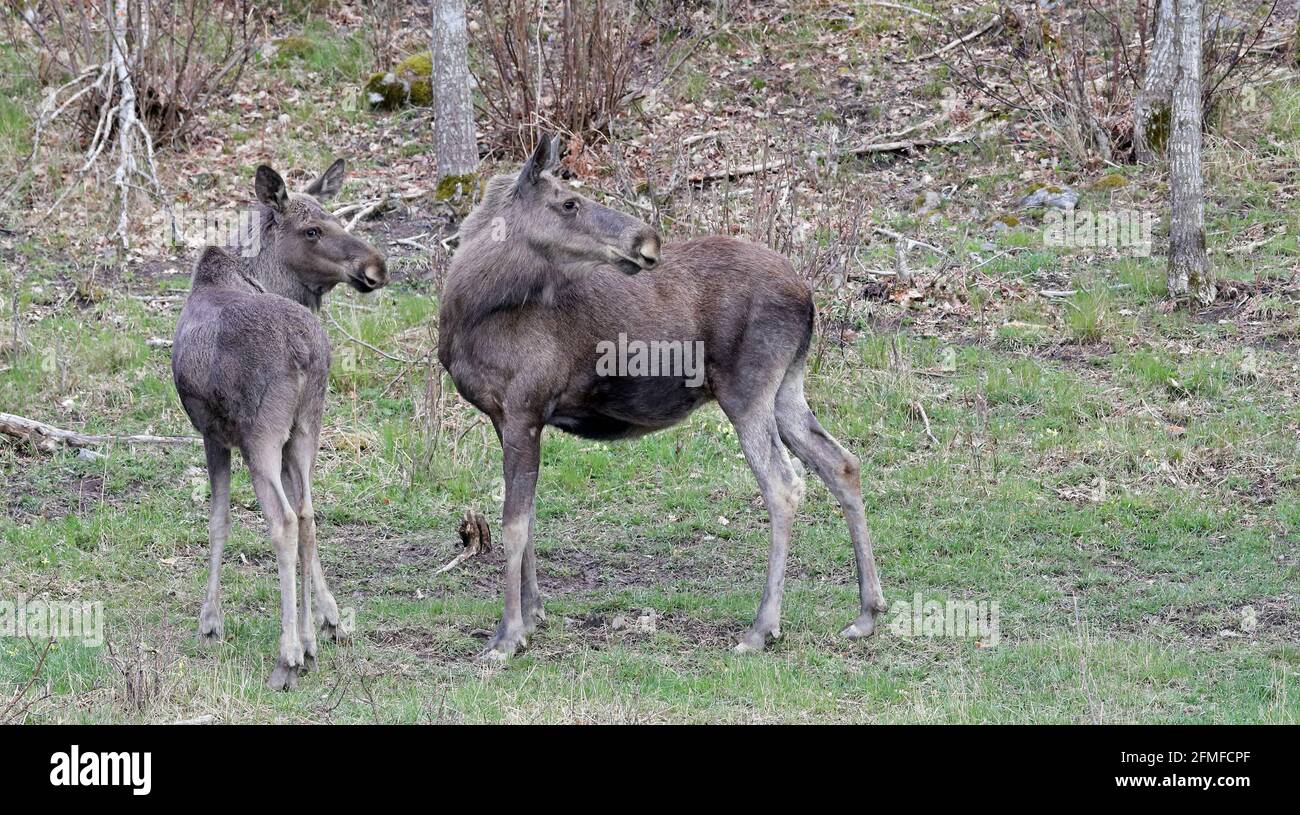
(295, 477)
(211, 619)
(264, 467)
(782, 488)
(842, 473)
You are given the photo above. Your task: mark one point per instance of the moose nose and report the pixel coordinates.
(648, 250)
(375, 272)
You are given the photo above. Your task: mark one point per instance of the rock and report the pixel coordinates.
(407, 84)
(646, 622)
(89, 455)
(927, 202)
(618, 623)
(1004, 223)
(1050, 196)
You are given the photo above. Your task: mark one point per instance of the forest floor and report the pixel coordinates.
(1038, 429)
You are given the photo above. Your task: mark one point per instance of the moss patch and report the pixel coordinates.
(1110, 181)
(407, 84)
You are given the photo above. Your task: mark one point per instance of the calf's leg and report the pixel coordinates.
(264, 460)
(211, 620)
(295, 476)
(841, 472)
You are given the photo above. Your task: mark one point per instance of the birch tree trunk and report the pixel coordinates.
(453, 109)
(1157, 85)
(1190, 276)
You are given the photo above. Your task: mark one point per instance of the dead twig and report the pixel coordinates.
(475, 537)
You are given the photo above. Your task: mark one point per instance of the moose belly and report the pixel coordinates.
(626, 407)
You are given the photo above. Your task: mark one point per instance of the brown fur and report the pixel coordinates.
(250, 362)
(531, 293)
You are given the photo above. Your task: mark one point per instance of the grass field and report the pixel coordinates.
(1122, 481)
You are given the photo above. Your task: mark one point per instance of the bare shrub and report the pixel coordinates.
(565, 66)
(1077, 68)
(183, 55)
(127, 77)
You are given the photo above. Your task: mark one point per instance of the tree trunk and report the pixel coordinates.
(453, 109)
(1151, 107)
(1190, 276)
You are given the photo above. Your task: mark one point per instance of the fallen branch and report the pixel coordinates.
(994, 22)
(857, 150)
(475, 537)
(920, 408)
(206, 718)
(48, 437)
(364, 209)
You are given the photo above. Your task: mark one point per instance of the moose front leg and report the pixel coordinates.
(521, 445)
(529, 594)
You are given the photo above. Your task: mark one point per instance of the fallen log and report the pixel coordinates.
(49, 437)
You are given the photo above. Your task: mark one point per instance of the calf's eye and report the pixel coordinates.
(570, 205)
(312, 234)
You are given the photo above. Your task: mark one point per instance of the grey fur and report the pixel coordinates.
(250, 362)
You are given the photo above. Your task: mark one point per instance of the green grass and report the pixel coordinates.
(1057, 491)
(1122, 481)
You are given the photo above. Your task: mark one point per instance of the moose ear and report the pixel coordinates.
(329, 183)
(270, 189)
(541, 160)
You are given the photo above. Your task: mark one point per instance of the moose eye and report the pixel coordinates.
(571, 205)
(312, 234)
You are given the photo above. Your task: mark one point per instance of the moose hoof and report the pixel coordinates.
(534, 618)
(756, 640)
(212, 628)
(861, 628)
(284, 677)
(502, 646)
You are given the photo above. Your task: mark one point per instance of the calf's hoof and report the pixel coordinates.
(327, 619)
(284, 677)
(861, 628)
(287, 666)
(212, 627)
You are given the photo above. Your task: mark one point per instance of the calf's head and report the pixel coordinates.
(310, 244)
(572, 232)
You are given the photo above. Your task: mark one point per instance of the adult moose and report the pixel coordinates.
(251, 362)
(544, 277)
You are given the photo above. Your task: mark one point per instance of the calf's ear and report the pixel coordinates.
(329, 183)
(270, 189)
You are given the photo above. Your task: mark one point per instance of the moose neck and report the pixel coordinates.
(490, 276)
(268, 269)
